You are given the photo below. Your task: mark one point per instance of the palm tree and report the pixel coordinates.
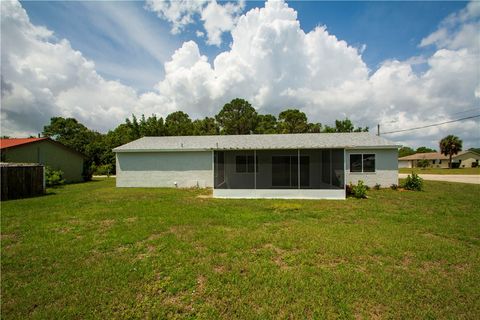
(449, 146)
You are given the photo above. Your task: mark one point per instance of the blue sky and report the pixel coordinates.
(390, 30)
(400, 64)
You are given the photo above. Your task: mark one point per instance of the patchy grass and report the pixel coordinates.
(440, 170)
(94, 251)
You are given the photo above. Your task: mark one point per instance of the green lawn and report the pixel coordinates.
(93, 251)
(440, 171)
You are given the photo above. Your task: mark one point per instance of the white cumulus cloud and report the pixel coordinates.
(43, 78)
(217, 18)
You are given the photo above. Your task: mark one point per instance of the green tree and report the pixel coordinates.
(315, 127)
(114, 138)
(75, 135)
(405, 151)
(344, 125)
(449, 146)
(425, 150)
(178, 123)
(424, 163)
(133, 128)
(237, 117)
(347, 126)
(292, 121)
(328, 129)
(70, 133)
(267, 123)
(206, 126)
(152, 127)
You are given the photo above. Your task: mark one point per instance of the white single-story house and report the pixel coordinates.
(435, 160)
(310, 165)
(466, 159)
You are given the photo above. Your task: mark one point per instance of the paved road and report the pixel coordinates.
(464, 178)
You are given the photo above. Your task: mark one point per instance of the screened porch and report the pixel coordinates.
(279, 170)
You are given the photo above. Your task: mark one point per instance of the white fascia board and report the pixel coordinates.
(374, 147)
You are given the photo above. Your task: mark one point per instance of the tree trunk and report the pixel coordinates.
(450, 161)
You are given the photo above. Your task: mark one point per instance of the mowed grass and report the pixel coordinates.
(94, 251)
(440, 170)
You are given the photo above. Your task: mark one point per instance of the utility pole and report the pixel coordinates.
(378, 129)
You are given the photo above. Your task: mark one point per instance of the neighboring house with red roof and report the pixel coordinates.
(44, 151)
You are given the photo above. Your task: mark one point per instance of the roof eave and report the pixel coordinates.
(117, 150)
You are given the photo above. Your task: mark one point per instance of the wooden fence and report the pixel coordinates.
(21, 180)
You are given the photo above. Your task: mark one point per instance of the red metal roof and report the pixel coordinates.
(7, 143)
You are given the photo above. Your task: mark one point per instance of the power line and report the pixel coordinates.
(432, 125)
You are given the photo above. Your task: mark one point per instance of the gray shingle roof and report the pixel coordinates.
(258, 142)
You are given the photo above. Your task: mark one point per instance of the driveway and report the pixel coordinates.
(464, 178)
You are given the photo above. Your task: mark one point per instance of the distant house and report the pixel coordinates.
(466, 159)
(435, 160)
(310, 165)
(44, 151)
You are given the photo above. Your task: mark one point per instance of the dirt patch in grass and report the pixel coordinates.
(286, 207)
(149, 296)
(407, 260)
(280, 255)
(121, 249)
(331, 262)
(105, 225)
(182, 232)
(8, 237)
(94, 257)
(201, 283)
(429, 267)
(219, 269)
(155, 236)
(63, 230)
(130, 219)
(368, 311)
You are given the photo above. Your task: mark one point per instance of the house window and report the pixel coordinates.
(369, 163)
(244, 164)
(439, 161)
(362, 162)
(355, 163)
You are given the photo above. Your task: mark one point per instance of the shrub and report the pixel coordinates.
(413, 182)
(359, 191)
(87, 171)
(103, 170)
(377, 186)
(53, 177)
(394, 186)
(423, 163)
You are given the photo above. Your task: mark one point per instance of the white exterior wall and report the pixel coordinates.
(466, 159)
(163, 169)
(386, 168)
(404, 163)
